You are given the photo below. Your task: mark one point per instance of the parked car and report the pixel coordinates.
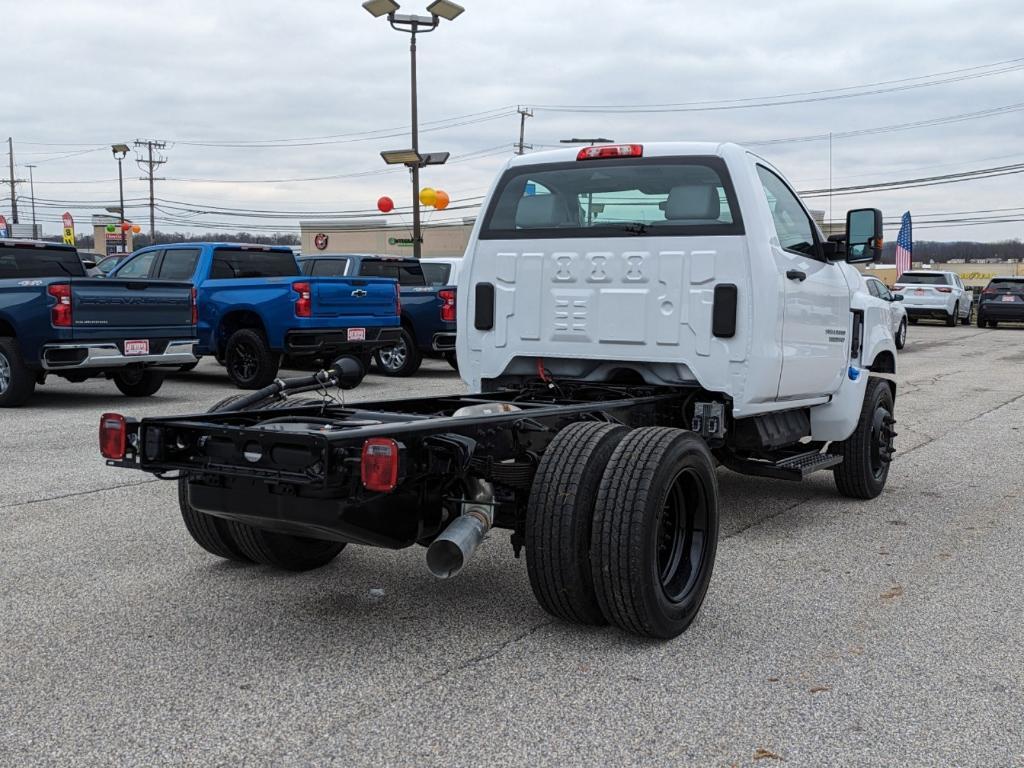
(1001, 300)
(255, 305)
(56, 321)
(892, 307)
(442, 271)
(428, 310)
(105, 265)
(615, 356)
(935, 295)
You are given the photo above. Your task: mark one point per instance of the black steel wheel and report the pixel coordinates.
(250, 363)
(17, 383)
(655, 531)
(402, 359)
(901, 335)
(559, 518)
(280, 550)
(139, 382)
(867, 453)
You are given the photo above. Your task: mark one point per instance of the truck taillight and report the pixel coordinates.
(447, 305)
(303, 304)
(113, 436)
(60, 312)
(195, 307)
(611, 150)
(380, 464)
(944, 289)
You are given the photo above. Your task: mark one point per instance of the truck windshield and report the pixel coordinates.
(654, 196)
(231, 263)
(925, 279)
(27, 261)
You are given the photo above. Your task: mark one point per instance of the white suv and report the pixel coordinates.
(935, 295)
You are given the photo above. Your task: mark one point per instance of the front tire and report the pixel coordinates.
(16, 381)
(250, 363)
(901, 335)
(655, 531)
(867, 453)
(559, 520)
(139, 383)
(280, 550)
(401, 360)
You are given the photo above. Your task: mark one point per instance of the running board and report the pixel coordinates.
(795, 467)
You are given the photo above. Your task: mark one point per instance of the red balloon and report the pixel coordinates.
(125, 227)
(385, 204)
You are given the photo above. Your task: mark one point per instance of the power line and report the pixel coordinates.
(151, 164)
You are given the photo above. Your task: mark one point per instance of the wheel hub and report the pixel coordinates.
(393, 358)
(882, 436)
(681, 538)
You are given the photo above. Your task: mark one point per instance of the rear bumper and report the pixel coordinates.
(443, 342)
(938, 313)
(997, 310)
(335, 341)
(107, 354)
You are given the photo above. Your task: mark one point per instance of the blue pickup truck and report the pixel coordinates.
(255, 306)
(55, 321)
(428, 310)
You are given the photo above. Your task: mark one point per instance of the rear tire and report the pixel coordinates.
(901, 335)
(655, 531)
(867, 453)
(139, 383)
(993, 323)
(951, 319)
(250, 363)
(17, 383)
(280, 550)
(403, 359)
(559, 518)
(982, 322)
(966, 319)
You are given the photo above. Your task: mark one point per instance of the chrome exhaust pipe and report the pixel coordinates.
(449, 552)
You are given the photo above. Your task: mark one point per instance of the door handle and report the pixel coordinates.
(796, 274)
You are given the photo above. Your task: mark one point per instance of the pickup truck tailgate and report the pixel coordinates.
(354, 297)
(129, 303)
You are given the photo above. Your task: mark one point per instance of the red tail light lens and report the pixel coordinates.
(195, 307)
(944, 289)
(611, 150)
(60, 312)
(113, 436)
(447, 305)
(380, 464)
(304, 304)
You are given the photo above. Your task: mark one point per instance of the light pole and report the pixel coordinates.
(121, 152)
(412, 25)
(32, 194)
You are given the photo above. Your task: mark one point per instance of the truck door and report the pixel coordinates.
(816, 317)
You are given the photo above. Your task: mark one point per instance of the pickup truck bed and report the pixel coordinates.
(54, 321)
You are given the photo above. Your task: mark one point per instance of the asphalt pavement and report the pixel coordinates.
(835, 632)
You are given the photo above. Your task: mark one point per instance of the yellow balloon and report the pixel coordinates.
(428, 195)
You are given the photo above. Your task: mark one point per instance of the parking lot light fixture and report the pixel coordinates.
(445, 9)
(407, 157)
(120, 152)
(378, 8)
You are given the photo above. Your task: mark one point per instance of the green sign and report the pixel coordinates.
(406, 241)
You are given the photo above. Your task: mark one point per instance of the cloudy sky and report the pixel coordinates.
(324, 87)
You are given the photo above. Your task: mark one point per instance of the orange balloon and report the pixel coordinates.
(441, 200)
(136, 229)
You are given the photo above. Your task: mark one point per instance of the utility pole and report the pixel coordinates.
(32, 193)
(14, 198)
(523, 114)
(151, 163)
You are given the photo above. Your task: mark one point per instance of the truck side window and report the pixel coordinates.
(792, 224)
(178, 264)
(140, 266)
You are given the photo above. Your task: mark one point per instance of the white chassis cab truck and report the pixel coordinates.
(630, 317)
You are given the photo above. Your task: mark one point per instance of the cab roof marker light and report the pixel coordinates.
(606, 151)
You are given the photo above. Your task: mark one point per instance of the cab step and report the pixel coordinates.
(792, 467)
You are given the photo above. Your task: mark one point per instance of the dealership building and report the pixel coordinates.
(375, 236)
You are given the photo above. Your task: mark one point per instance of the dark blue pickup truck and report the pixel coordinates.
(255, 306)
(55, 321)
(428, 310)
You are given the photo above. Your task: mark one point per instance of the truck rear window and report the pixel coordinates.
(437, 274)
(26, 261)
(230, 263)
(922, 279)
(406, 273)
(654, 196)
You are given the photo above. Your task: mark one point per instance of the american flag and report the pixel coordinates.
(904, 245)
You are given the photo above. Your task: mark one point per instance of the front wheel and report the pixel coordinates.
(402, 359)
(901, 335)
(140, 382)
(867, 453)
(249, 361)
(655, 531)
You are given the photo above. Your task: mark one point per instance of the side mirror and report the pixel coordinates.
(897, 297)
(863, 235)
(89, 264)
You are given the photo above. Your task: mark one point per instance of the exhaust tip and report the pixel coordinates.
(445, 559)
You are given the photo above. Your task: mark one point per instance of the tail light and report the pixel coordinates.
(380, 464)
(195, 307)
(60, 312)
(113, 436)
(398, 300)
(944, 289)
(447, 305)
(611, 150)
(303, 304)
